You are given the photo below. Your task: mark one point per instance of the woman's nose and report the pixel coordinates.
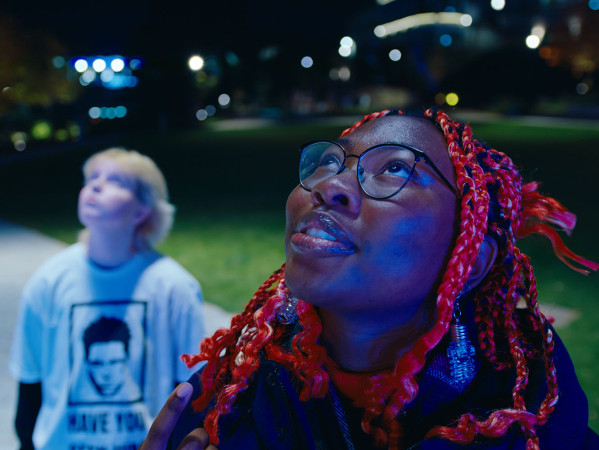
(341, 191)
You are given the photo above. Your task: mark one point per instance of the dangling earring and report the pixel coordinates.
(287, 313)
(460, 351)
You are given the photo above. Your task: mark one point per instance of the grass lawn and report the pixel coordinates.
(230, 190)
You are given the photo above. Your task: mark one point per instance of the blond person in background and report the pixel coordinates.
(102, 324)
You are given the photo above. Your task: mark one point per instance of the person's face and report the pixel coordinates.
(108, 198)
(348, 252)
(107, 366)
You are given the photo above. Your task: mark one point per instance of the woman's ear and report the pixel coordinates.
(484, 261)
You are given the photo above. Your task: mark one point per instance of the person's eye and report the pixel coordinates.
(396, 168)
(91, 177)
(329, 159)
(117, 180)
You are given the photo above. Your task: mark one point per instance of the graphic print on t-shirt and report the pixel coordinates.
(107, 348)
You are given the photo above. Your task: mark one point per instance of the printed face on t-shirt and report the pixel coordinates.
(107, 366)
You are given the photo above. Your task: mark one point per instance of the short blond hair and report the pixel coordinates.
(150, 188)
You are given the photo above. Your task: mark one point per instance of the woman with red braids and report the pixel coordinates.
(405, 316)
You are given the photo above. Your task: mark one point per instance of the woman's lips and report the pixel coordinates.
(319, 234)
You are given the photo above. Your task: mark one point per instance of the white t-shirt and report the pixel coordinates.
(105, 344)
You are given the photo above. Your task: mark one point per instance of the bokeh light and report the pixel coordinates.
(41, 130)
(395, 55)
(117, 64)
(344, 74)
(532, 41)
(445, 40)
(224, 100)
(19, 140)
(307, 62)
(201, 114)
(452, 99)
(81, 65)
(136, 64)
(594, 5)
(210, 110)
(99, 65)
(497, 5)
(347, 47)
(440, 98)
(61, 135)
(582, 88)
(195, 63)
(58, 62)
(94, 112)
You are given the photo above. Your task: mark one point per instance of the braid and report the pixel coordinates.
(493, 203)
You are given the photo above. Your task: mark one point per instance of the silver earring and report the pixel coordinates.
(460, 352)
(287, 313)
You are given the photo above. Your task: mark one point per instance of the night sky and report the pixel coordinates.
(135, 27)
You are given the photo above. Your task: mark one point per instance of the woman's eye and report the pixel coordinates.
(396, 168)
(329, 159)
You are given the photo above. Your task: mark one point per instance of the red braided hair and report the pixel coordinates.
(493, 202)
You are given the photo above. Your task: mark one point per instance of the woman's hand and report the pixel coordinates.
(165, 422)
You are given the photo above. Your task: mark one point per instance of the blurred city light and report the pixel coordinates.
(201, 114)
(539, 31)
(232, 58)
(61, 135)
(19, 140)
(452, 99)
(210, 110)
(94, 112)
(99, 64)
(58, 62)
(107, 76)
(107, 112)
(344, 51)
(81, 65)
(497, 5)
(307, 62)
(136, 64)
(41, 130)
(423, 19)
(582, 88)
(224, 100)
(395, 55)
(347, 47)
(446, 40)
(87, 77)
(532, 41)
(594, 5)
(344, 74)
(117, 64)
(195, 63)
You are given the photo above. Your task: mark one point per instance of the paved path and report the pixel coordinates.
(21, 252)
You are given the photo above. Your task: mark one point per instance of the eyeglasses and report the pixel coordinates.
(383, 170)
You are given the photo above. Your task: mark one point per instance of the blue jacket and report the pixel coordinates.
(269, 414)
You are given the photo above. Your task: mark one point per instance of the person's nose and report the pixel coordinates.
(95, 184)
(340, 191)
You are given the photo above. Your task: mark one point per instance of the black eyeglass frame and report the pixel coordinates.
(418, 154)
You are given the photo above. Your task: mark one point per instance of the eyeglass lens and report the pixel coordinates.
(382, 171)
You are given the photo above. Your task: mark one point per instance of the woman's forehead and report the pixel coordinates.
(416, 132)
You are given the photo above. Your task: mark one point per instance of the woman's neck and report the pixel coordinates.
(360, 345)
(110, 249)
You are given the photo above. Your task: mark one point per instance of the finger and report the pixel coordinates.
(165, 421)
(197, 439)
